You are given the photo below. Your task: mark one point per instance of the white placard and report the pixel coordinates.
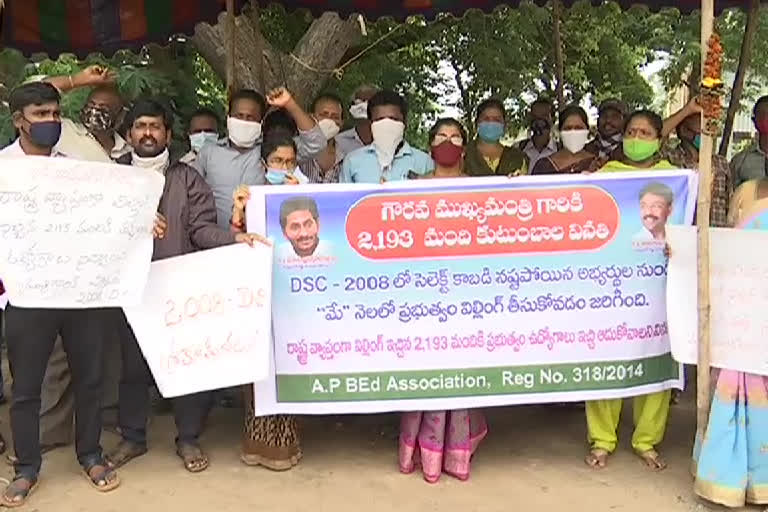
(739, 298)
(205, 319)
(75, 234)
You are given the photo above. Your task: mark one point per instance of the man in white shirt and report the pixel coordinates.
(300, 222)
(94, 137)
(656, 200)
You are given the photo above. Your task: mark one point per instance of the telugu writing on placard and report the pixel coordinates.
(467, 291)
(211, 330)
(738, 293)
(75, 234)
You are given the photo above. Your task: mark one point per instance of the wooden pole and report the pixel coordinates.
(557, 14)
(702, 223)
(753, 16)
(230, 47)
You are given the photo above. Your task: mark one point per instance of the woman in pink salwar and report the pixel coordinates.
(442, 441)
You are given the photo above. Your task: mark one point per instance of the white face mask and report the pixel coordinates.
(387, 135)
(157, 163)
(574, 140)
(359, 110)
(329, 128)
(243, 134)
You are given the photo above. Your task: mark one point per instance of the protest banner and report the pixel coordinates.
(738, 298)
(75, 234)
(468, 293)
(204, 322)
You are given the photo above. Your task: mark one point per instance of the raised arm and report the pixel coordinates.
(671, 123)
(92, 76)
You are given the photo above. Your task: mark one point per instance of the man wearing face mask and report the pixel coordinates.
(360, 134)
(31, 332)
(752, 163)
(187, 204)
(610, 127)
(687, 124)
(94, 138)
(203, 129)
(236, 160)
(325, 167)
(541, 143)
(389, 157)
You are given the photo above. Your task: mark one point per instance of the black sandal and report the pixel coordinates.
(125, 452)
(104, 480)
(193, 457)
(16, 494)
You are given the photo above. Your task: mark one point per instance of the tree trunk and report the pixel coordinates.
(753, 17)
(320, 49)
(557, 42)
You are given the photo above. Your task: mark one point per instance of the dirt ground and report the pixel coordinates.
(532, 460)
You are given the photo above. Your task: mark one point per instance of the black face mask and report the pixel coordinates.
(45, 133)
(539, 127)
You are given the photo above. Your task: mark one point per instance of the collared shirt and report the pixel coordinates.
(225, 168)
(362, 166)
(619, 166)
(534, 155)
(722, 187)
(15, 150)
(77, 142)
(748, 165)
(311, 168)
(347, 142)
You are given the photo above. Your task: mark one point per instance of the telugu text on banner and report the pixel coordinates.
(468, 293)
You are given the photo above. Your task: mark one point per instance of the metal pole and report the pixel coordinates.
(702, 223)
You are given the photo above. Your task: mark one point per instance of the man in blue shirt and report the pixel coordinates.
(389, 157)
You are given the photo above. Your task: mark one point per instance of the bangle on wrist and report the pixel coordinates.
(71, 82)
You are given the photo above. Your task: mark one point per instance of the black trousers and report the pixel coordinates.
(190, 411)
(30, 336)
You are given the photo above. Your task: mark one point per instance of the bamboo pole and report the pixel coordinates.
(230, 47)
(557, 14)
(702, 223)
(750, 28)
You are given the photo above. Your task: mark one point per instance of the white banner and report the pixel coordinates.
(75, 234)
(204, 322)
(738, 295)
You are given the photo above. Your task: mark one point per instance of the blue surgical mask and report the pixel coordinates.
(697, 141)
(276, 176)
(490, 131)
(200, 139)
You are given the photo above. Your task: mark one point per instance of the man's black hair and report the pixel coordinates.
(249, 94)
(205, 112)
(658, 189)
(388, 98)
(763, 100)
(150, 108)
(297, 204)
(326, 96)
(652, 117)
(488, 104)
(276, 140)
(35, 93)
(279, 120)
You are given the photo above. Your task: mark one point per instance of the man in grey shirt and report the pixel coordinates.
(752, 163)
(236, 160)
(360, 134)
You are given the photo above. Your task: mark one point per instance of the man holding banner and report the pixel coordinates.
(188, 205)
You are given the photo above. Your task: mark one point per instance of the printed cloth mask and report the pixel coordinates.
(329, 128)
(540, 127)
(157, 163)
(574, 140)
(447, 154)
(200, 139)
(490, 131)
(97, 118)
(359, 110)
(697, 141)
(45, 133)
(638, 150)
(243, 134)
(387, 136)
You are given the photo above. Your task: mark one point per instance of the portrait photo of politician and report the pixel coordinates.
(300, 223)
(656, 201)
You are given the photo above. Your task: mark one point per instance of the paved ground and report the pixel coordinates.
(532, 460)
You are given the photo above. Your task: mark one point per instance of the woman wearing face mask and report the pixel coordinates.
(269, 441)
(641, 144)
(574, 134)
(442, 440)
(486, 156)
